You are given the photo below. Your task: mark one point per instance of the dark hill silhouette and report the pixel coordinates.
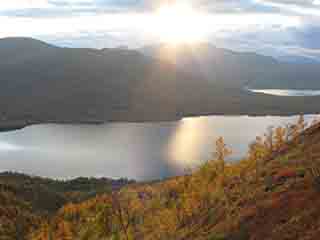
(51, 83)
(238, 69)
(43, 83)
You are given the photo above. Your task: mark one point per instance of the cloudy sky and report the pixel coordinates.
(273, 27)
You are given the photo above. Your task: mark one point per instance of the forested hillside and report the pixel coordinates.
(27, 201)
(273, 193)
(17, 217)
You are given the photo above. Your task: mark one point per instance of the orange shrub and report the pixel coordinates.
(285, 174)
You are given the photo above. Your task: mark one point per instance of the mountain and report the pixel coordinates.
(42, 80)
(238, 69)
(298, 59)
(214, 64)
(42, 83)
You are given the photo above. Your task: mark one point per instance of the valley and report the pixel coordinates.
(159, 120)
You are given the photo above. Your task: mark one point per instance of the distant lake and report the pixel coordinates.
(142, 151)
(287, 92)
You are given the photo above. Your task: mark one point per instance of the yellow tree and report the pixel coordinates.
(122, 211)
(44, 233)
(269, 139)
(280, 137)
(221, 153)
(289, 132)
(64, 231)
(301, 123)
(297, 129)
(257, 152)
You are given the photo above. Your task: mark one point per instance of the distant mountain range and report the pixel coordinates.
(298, 59)
(41, 83)
(238, 69)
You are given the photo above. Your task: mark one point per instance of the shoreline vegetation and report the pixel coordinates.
(18, 125)
(271, 193)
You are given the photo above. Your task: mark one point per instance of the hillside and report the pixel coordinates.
(271, 194)
(17, 217)
(73, 190)
(27, 201)
(248, 68)
(84, 85)
(96, 86)
(214, 63)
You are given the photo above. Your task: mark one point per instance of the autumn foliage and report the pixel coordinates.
(267, 195)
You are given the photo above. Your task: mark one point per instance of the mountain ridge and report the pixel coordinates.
(252, 69)
(82, 85)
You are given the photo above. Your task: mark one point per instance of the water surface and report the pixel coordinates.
(134, 150)
(287, 92)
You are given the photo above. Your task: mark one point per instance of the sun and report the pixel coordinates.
(178, 23)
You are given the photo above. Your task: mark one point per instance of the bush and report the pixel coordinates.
(241, 234)
(284, 160)
(268, 181)
(301, 172)
(316, 183)
(215, 236)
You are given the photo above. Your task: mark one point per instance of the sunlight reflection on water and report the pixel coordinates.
(287, 92)
(142, 151)
(187, 141)
(4, 146)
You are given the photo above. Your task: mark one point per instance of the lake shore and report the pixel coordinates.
(7, 126)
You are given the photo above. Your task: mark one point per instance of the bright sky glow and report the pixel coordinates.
(178, 23)
(272, 27)
(23, 4)
(168, 24)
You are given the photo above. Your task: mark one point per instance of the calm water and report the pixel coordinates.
(287, 92)
(135, 150)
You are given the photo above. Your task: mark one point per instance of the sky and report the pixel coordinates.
(281, 28)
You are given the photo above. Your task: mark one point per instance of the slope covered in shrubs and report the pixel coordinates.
(273, 193)
(26, 202)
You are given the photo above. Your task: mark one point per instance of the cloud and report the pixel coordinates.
(23, 4)
(216, 6)
(58, 8)
(271, 27)
(302, 7)
(308, 37)
(42, 8)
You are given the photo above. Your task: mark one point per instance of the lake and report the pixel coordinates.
(287, 92)
(142, 151)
